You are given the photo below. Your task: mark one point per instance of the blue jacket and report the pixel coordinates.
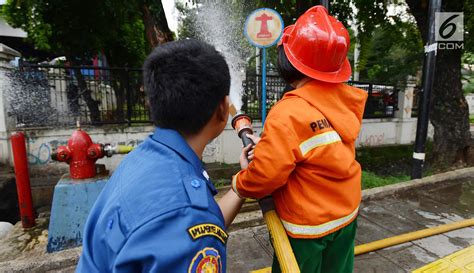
(156, 214)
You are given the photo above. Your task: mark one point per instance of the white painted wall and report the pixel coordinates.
(42, 142)
(470, 102)
(6, 55)
(226, 148)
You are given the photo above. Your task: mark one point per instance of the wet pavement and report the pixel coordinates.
(386, 212)
(412, 210)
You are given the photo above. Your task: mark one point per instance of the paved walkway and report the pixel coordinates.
(386, 212)
(446, 202)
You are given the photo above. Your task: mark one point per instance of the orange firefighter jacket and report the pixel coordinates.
(306, 159)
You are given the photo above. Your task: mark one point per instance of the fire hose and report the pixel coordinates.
(283, 251)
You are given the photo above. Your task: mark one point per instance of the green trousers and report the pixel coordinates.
(333, 253)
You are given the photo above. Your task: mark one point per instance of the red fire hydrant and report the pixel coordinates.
(81, 154)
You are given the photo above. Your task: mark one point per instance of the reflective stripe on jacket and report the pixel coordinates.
(306, 159)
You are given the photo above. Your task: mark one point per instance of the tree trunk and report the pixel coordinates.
(449, 111)
(156, 27)
(85, 92)
(118, 84)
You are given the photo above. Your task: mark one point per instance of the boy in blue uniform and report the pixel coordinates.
(157, 212)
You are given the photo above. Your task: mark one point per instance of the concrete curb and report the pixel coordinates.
(54, 262)
(380, 192)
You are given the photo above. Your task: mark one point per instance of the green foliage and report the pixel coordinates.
(390, 48)
(82, 28)
(20, 15)
(395, 51)
(467, 72)
(187, 20)
(469, 25)
(371, 180)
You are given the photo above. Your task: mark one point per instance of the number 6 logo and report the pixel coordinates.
(449, 26)
(446, 25)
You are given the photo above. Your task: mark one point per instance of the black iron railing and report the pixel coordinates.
(381, 103)
(45, 95)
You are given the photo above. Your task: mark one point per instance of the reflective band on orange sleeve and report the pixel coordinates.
(319, 140)
(234, 184)
(319, 229)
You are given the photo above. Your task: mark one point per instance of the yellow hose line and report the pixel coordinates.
(124, 149)
(281, 244)
(400, 239)
(407, 237)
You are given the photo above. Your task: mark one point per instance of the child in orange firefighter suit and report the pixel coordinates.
(306, 156)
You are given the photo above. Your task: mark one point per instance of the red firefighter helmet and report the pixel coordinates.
(317, 45)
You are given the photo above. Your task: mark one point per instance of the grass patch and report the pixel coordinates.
(371, 180)
(221, 182)
(388, 161)
(471, 118)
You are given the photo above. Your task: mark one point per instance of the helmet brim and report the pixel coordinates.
(342, 75)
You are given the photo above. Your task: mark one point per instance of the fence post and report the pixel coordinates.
(369, 105)
(405, 105)
(6, 55)
(129, 96)
(405, 101)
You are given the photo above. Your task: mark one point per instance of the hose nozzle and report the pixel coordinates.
(242, 124)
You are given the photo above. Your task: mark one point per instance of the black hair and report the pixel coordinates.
(185, 81)
(287, 71)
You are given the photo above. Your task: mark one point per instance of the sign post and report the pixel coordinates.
(263, 28)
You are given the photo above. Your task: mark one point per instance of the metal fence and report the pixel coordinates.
(381, 103)
(46, 95)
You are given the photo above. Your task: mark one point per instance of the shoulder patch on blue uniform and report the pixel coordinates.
(197, 191)
(207, 260)
(208, 229)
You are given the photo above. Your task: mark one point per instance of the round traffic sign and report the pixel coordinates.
(263, 27)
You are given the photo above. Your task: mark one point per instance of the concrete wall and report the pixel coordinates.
(42, 142)
(4, 144)
(226, 148)
(6, 55)
(470, 101)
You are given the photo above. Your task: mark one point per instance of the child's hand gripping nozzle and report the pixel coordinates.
(243, 125)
